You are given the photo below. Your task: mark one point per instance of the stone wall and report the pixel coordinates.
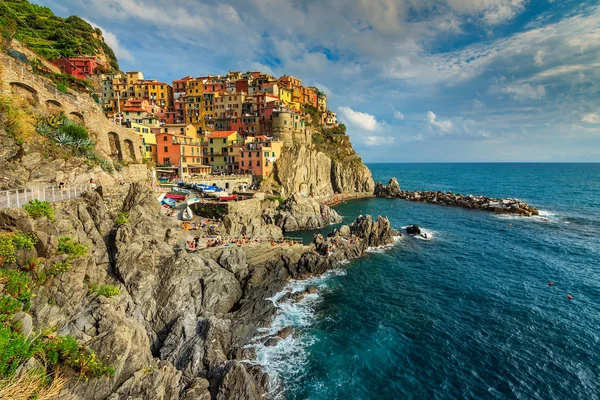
(244, 208)
(229, 183)
(111, 140)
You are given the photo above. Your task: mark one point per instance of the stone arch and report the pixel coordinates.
(115, 146)
(78, 116)
(25, 90)
(129, 149)
(53, 105)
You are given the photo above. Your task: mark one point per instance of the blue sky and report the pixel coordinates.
(414, 80)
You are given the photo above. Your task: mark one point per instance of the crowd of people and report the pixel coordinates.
(211, 241)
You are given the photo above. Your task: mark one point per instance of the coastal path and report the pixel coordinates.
(19, 197)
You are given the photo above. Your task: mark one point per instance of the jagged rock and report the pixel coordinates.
(309, 171)
(238, 384)
(25, 321)
(197, 390)
(272, 341)
(160, 383)
(391, 189)
(413, 230)
(302, 213)
(285, 332)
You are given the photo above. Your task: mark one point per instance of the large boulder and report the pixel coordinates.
(299, 212)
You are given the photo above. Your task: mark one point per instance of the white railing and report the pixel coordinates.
(19, 197)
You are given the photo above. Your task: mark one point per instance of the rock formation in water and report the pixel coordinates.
(301, 213)
(179, 327)
(502, 206)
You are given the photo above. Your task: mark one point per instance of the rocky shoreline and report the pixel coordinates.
(484, 203)
(182, 321)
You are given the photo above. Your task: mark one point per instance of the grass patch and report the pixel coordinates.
(104, 290)
(59, 268)
(68, 245)
(122, 219)
(37, 208)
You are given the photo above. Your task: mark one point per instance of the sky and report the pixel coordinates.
(413, 80)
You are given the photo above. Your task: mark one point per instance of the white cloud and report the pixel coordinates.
(591, 118)
(538, 58)
(113, 42)
(361, 120)
(443, 126)
(457, 128)
(398, 115)
(378, 140)
(525, 91)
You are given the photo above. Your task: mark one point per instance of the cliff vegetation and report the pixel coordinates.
(46, 34)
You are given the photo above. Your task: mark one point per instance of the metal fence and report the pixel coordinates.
(19, 197)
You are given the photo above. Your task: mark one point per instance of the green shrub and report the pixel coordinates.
(17, 284)
(7, 249)
(74, 131)
(61, 87)
(8, 307)
(104, 290)
(36, 209)
(107, 166)
(122, 219)
(68, 245)
(57, 350)
(24, 241)
(59, 268)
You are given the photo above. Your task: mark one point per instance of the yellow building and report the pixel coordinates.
(322, 100)
(182, 129)
(133, 77)
(285, 95)
(218, 148)
(228, 105)
(149, 149)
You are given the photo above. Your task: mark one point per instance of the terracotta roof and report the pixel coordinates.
(220, 134)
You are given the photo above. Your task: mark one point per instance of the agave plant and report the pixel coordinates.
(84, 144)
(107, 166)
(44, 129)
(64, 140)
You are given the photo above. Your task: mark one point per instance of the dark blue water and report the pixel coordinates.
(469, 313)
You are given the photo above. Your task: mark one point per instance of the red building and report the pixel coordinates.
(79, 67)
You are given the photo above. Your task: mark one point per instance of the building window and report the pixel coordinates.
(242, 163)
(166, 149)
(211, 141)
(183, 159)
(258, 163)
(212, 159)
(224, 140)
(249, 163)
(266, 154)
(258, 154)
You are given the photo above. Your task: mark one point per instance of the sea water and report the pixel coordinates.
(468, 313)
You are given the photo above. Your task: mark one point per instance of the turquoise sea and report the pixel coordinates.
(467, 314)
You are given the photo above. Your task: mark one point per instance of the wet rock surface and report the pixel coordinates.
(485, 203)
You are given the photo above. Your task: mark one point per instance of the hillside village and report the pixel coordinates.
(231, 124)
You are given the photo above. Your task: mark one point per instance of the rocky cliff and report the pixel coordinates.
(301, 213)
(322, 165)
(179, 325)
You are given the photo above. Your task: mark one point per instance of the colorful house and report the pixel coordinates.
(218, 148)
(259, 155)
(180, 153)
(80, 67)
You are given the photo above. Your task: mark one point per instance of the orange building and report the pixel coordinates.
(258, 156)
(180, 153)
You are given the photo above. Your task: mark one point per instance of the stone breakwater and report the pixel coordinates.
(485, 203)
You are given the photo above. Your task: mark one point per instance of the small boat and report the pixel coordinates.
(161, 197)
(187, 214)
(181, 191)
(177, 197)
(169, 202)
(193, 201)
(230, 197)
